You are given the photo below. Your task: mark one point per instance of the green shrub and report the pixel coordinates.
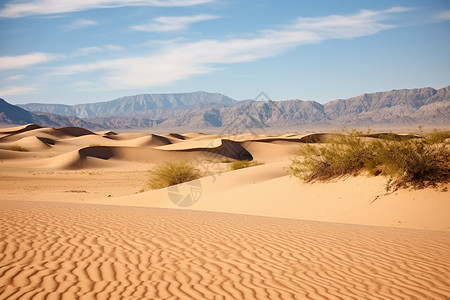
(17, 148)
(415, 162)
(172, 172)
(240, 164)
(344, 156)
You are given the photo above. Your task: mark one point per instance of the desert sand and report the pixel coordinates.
(78, 221)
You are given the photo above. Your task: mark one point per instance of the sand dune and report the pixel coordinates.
(149, 141)
(6, 155)
(106, 133)
(74, 251)
(353, 200)
(125, 136)
(74, 131)
(90, 228)
(31, 143)
(49, 133)
(318, 137)
(19, 129)
(95, 156)
(273, 151)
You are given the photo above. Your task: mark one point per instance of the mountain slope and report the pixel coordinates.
(149, 105)
(424, 105)
(12, 114)
(254, 114)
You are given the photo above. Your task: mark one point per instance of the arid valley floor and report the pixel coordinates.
(79, 221)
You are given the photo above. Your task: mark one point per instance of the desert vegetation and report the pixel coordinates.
(417, 161)
(17, 148)
(172, 172)
(240, 164)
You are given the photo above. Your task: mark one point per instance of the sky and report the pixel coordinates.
(71, 52)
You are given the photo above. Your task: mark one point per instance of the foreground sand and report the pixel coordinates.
(54, 250)
(78, 220)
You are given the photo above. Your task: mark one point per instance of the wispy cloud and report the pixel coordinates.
(114, 48)
(15, 77)
(443, 16)
(88, 50)
(95, 49)
(180, 60)
(23, 61)
(17, 9)
(81, 23)
(163, 24)
(16, 90)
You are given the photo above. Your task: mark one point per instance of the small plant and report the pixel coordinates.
(17, 148)
(417, 162)
(240, 164)
(172, 172)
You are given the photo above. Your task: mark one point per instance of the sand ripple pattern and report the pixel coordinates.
(76, 251)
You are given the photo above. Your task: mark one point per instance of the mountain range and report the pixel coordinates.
(424, 106)
(14, 115)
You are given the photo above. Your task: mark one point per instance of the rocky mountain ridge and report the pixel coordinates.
(425, 106)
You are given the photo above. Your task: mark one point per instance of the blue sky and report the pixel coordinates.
(65, 51)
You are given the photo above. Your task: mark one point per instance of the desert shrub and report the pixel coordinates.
(437, 137)
(394, 137)
(240, 164)
(172, 172)
(346, 155)
(415, 162)
(17, 148)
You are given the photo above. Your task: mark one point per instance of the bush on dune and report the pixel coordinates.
(172, 172)
(17, 148)
(417, 162)
(240, 164)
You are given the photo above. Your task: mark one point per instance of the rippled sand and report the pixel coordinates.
(69, 251)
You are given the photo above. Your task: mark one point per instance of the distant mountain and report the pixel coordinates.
(14, 115)
(254, 114)
(425, 106)
(153, 106)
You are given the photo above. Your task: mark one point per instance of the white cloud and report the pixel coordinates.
(88, 50)
(15, 77)
(17, 9)
(163, 24)
(95, 49)
(16, 90)
(177, 61)
(443, 16)
(23, 61)
(81, 23)
(114, 48)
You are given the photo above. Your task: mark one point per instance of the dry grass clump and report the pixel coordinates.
(172, 172)
(240, 164)
(417, 162)
(17, 148)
